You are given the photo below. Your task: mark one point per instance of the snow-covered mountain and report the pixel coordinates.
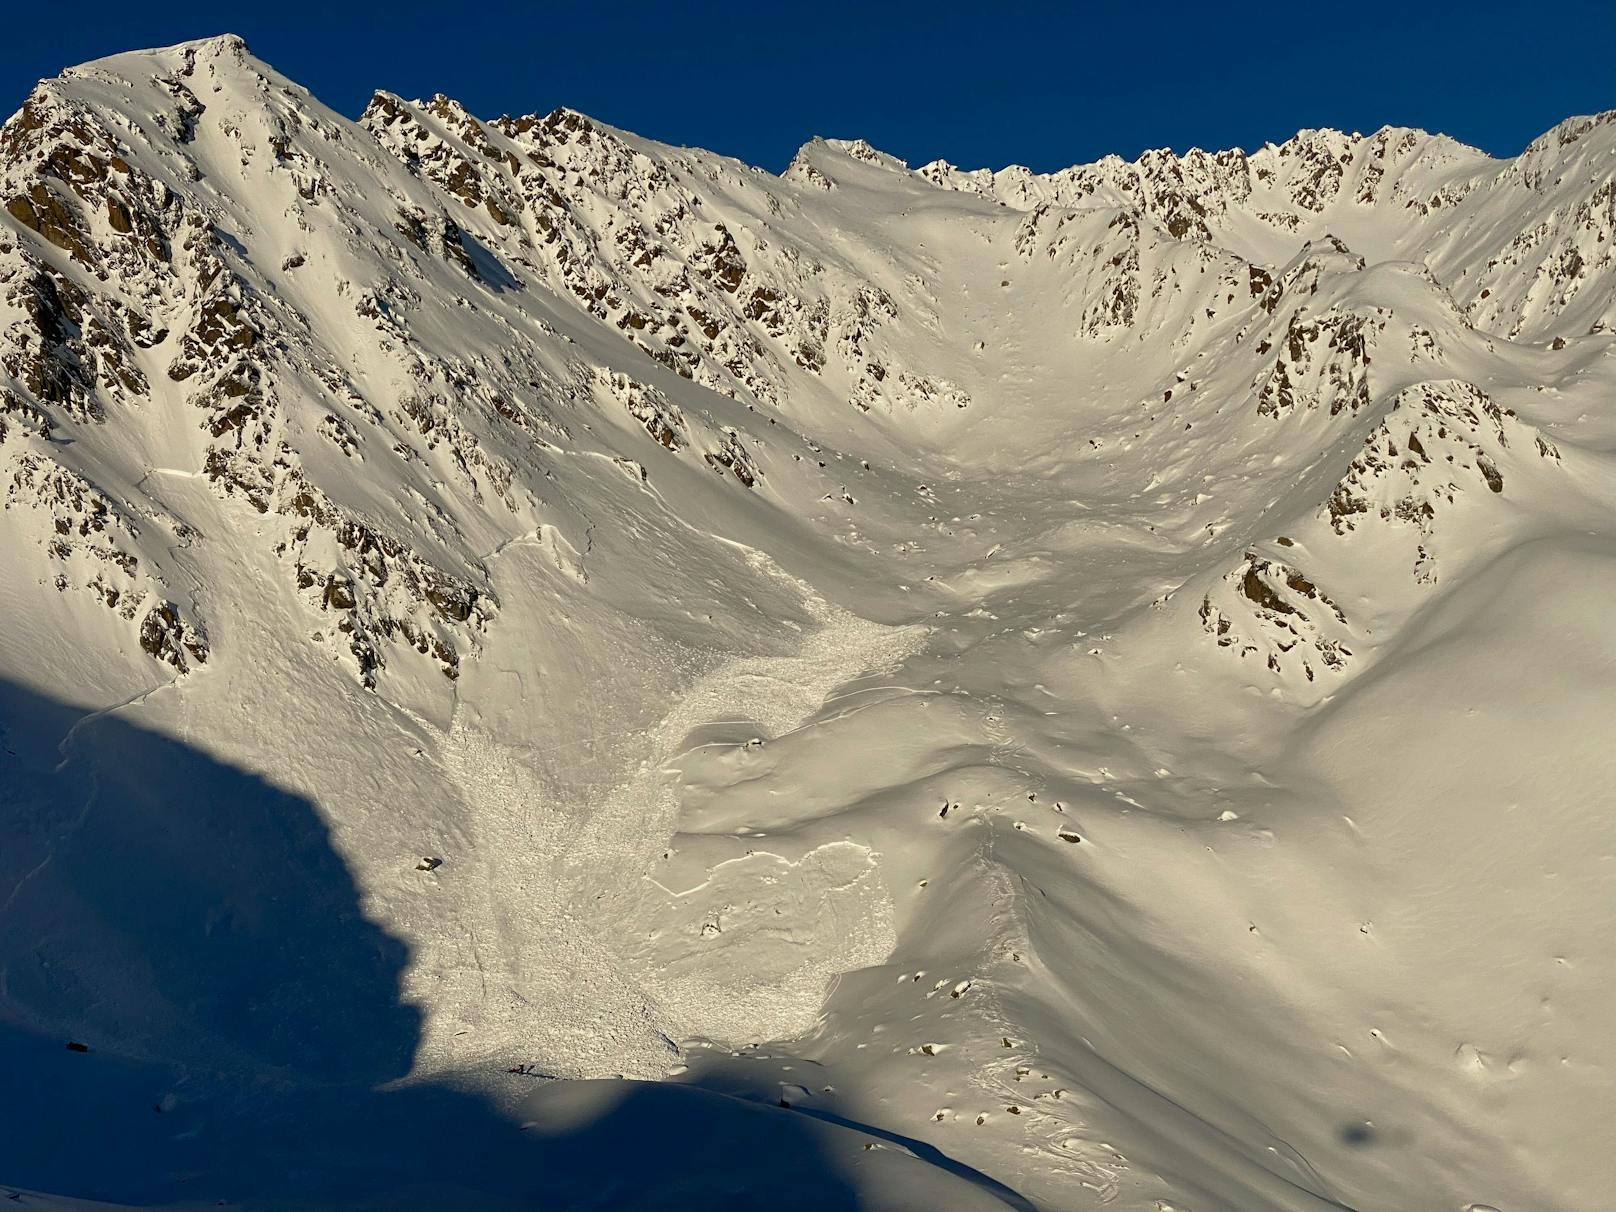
(967, 689)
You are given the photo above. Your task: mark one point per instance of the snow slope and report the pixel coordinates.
(542, 668)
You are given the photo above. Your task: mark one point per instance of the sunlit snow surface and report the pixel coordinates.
(688, 689)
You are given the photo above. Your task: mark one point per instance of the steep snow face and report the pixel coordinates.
(988, 689)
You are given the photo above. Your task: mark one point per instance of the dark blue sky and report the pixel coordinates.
(982, 83)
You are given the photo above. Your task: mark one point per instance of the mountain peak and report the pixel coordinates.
(227, 49)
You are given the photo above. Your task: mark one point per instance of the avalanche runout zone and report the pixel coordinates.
(571, 995)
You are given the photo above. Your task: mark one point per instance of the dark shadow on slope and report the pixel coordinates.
(158, 904)
(931, 1155)
(168, 904)
(189, 925)
(490, 270)
(735, 1077)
